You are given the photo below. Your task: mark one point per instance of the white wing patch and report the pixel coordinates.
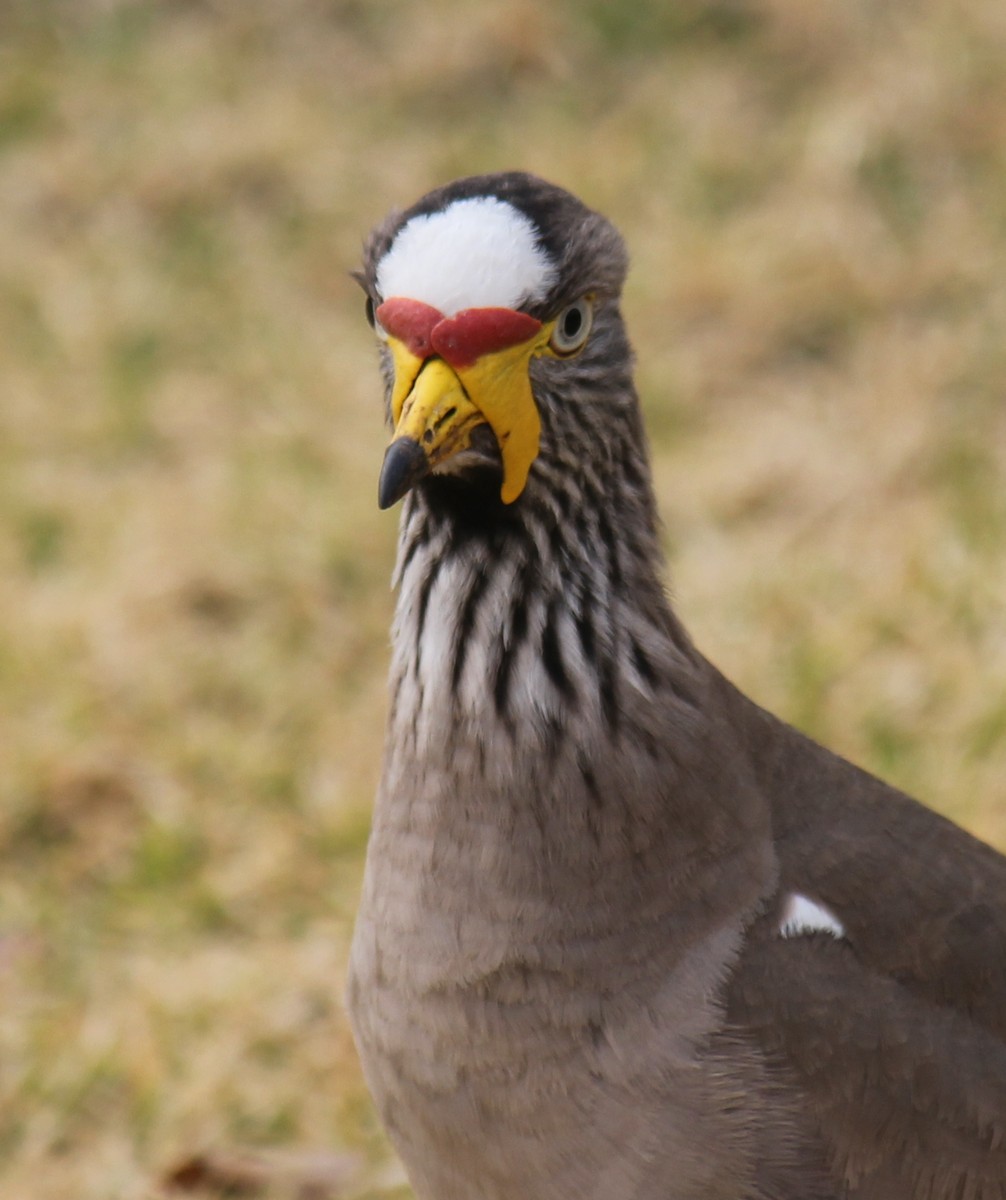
(802, 915)
(476, 253)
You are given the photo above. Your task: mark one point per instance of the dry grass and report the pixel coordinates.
(193, 573)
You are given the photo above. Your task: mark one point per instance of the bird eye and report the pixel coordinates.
(572, 327)
(372, 320)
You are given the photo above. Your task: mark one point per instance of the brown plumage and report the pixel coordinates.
(624, 934)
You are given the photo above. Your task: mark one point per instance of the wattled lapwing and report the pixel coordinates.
(623, 933)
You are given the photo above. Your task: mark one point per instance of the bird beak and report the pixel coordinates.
(453, 374)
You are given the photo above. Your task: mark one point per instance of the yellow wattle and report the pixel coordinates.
(438, 406)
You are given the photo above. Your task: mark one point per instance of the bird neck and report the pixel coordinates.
(535, 632)
(551, 738)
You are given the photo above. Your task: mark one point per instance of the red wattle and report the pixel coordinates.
(462, 339)
(411, 321)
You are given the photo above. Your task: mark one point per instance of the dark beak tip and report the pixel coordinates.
(404, 465)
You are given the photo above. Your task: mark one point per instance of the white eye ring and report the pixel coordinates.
(572, 327)
(373, 322)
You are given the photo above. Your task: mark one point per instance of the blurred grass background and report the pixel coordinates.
(194, 575)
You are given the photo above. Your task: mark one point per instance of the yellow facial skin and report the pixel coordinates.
(438, 406)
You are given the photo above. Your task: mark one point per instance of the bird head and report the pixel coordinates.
(495, 300)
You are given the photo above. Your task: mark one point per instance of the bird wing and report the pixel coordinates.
(920, 900)
(910, 1097)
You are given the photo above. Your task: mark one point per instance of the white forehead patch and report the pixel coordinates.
(476, 253)
(803, 915)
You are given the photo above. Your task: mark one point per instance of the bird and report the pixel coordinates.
(622, 932)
